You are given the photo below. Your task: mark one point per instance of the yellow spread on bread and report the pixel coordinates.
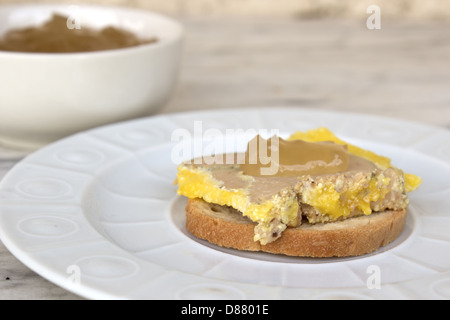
(323, 134)
(322, 198)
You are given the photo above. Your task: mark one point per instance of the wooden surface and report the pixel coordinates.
(401, 71)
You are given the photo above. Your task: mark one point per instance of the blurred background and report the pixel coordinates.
(411, 9)
(311, 53)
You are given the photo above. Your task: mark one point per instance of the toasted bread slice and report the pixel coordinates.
(227, 227)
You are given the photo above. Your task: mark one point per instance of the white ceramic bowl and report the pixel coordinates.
(44, 97)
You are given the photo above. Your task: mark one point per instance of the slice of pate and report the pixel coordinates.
(347, 184)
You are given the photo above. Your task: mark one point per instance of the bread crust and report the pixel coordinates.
(226, 227)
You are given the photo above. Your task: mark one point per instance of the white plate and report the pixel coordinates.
(97, 214)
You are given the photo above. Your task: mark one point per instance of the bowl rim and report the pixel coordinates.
(178, 34)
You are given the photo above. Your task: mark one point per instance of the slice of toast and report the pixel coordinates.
(227, 227)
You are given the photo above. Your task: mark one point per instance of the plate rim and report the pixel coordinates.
(95, 293)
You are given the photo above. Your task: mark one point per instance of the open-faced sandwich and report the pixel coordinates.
(311, 195)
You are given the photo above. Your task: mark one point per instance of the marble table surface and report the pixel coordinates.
(401, 71)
